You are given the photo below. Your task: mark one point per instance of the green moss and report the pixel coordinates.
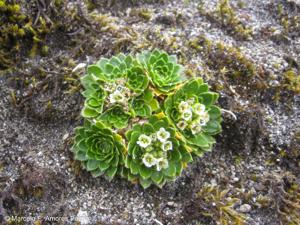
(241, 4)
(287, 198)
(17, 33)
(45, 50)
(225, 59)
(288, 18)
(292, 81)
(104, 21)
(225, 16)
(58, 3)
(90, 4)
(143, 13)
(263, 201)
(218, 204)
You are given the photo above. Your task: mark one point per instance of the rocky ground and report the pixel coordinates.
(248, 51)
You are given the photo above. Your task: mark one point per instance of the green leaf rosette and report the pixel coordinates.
(100, 150)
(155, 154)
(116, 90)
(162, 69)
(191, 109)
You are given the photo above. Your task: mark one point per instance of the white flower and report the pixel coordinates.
(149, 160)
(203, 119)
(198, 108)
(183, 106)
(187, 115)
(162, 135)
(167, 146)
(161, 163)
(116, 96)
(144, 141)
(191, 101)
(195, 127)
(181, 125)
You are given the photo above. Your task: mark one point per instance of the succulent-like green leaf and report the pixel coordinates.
(111, 172)
(145, 183)
(96, 173)
(89, 112)
(137, 81)
(134, 167)
(157, 177)
(92, 164)
(141, 108)
(81, 156)
(115, 117)
(154, 104)
(145, 172)
(170, 171)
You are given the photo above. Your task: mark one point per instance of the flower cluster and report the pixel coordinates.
(156, 146)
(142, 120)
(193, 116)
(118, 93)
(155, 154)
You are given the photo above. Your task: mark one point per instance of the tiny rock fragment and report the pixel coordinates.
(244, 208)
(83, 217)
(79, 66)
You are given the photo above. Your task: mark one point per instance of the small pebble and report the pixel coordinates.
(244, 208)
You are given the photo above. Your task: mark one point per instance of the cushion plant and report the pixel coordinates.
(143, 120)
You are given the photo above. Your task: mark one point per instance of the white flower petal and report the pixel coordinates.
(195, 127)
(162, 135)
(199, 108)
(203, 119)
(116, 96)
(187, 115)
(149, 160)
(144, 141)
(161, 163)
(166, 146)
(181, 125)
(183, 106)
